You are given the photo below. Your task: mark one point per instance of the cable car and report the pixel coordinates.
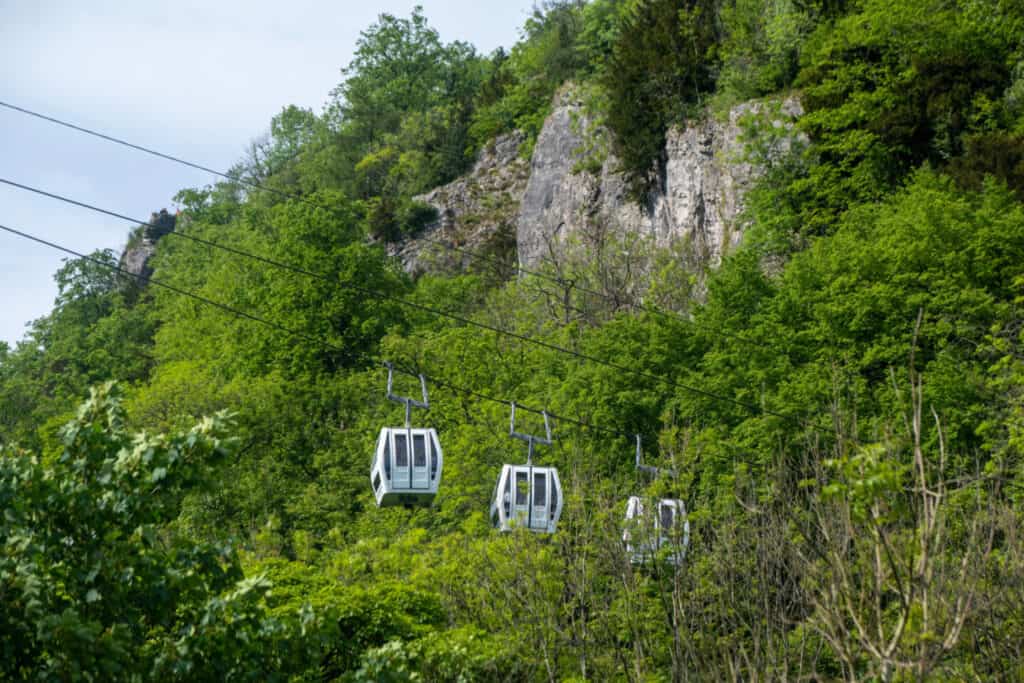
(407, 461)
(657, 529)
(527, 496)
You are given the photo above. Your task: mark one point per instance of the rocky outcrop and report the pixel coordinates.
(700, 199)
(142, 243)
(570, 190)
(476, 214)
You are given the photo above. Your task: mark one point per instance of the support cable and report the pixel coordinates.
(316, 341)
(300, 198)
(753, 409)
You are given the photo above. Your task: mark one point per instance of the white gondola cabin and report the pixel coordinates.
(527, 496)
(656, 530)
(406, 466)
(408, 460)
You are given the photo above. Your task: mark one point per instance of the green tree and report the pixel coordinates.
(662, 64)
(405, 87)
(96, 332)
(894, 86)
(94, 586)
(761, 47)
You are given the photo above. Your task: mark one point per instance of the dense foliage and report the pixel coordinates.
(96, 585)
(661, 66)
(842, 398)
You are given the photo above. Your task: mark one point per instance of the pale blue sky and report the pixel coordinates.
(193, 78)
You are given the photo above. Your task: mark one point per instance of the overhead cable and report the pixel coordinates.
(318, 341)
(300, 198)
(756, 410)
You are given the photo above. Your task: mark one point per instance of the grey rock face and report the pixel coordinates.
(476, 213)
(135, 259)
(700, 198)
(142, 245)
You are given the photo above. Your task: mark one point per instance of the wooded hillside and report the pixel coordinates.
(186, 482)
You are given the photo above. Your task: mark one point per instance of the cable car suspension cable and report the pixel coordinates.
(320, 342)
(754, 409)
(300, 198)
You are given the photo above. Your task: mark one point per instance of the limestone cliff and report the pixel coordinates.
(532, 207)
(142, 243)
(703, 181)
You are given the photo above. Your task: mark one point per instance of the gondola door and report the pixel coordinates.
(401, 477)
(521, 499)
(539, 505)
(420, 460)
